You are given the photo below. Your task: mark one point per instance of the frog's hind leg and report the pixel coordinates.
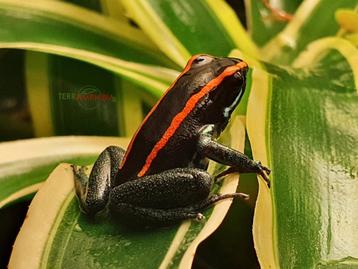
(142, 216)
(166, 197)
(175, 188)
(210, 201)
(93, 191)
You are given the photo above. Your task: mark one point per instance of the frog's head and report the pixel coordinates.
(220, 84)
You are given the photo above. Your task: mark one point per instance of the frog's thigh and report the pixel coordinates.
(93, 193)
(170, 189)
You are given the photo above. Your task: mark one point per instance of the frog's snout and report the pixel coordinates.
(241, 65)
(242, 70)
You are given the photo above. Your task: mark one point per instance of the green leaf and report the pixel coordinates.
(130, 107)
(45, 22)
(40, 27)
(304, 29)
(47, 105)
(182, 28)
(301, 123)
(261, 22)
(67, 238)
(22, 174)
(52, 79)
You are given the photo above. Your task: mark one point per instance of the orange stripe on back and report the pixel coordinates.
(189, 106)
(186, 69)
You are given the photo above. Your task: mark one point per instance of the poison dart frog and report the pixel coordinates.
(162, 176)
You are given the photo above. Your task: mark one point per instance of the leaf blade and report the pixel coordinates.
(303, 153)
(23, 174)
(184, 28)
(302, 29)
(98, 241)
(45, 22)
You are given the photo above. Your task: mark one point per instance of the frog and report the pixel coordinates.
(162, 177)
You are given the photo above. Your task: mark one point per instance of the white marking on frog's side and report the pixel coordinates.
(229, 109)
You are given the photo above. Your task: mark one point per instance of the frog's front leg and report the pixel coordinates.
(238, 161)
(166, 197)
(93, 192)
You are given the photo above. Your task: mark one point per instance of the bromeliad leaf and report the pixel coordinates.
(301, 124)
(183, 28)
(47, 23)
(22, 174)
(66, 238)
(303, 29)
(261, 21)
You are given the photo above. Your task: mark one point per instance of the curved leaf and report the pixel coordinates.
(40, 27)
(44, 97)
(61, 24)
(308, 141)
(138, 73)
(303, 29)
(67, 238)
(25, 164)
(261, 23)
(182, 28)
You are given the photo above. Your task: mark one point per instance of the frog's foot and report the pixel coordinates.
(264, 172)
(224, 173)
(81, 178)
(213, 200)
(258, 168)
(80, 181)
(79, 172)
(218, 197)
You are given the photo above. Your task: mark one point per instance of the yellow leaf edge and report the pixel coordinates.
(30, 247)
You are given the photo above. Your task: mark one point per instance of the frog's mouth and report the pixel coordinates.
(229, 109)
(240, 75)
(238, 90)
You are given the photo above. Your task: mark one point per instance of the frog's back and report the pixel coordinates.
(161, 142)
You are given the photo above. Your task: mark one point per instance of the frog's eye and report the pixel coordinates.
(199, 59)
(203, 59)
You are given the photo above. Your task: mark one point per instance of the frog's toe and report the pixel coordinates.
(79, 171)
(74, 168)
(266, 169)
(80, 178)
(264, 172)
(265, 177)
(199, 217)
